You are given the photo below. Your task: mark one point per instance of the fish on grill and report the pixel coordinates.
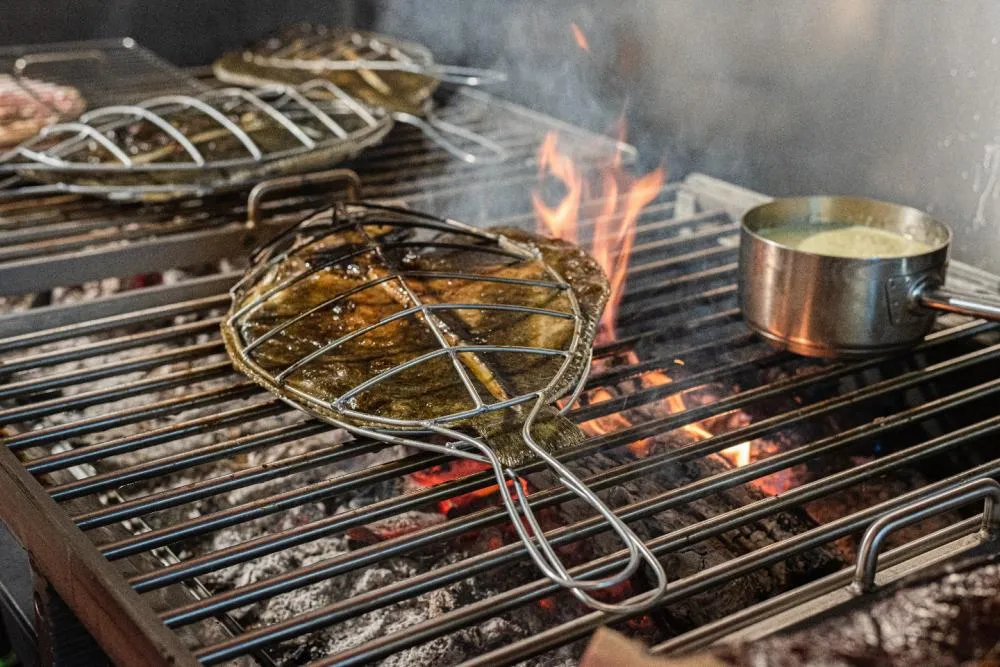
(329, 318)
(162, 167)
(275, 59)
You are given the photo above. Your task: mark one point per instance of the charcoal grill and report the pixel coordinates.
(130, 439)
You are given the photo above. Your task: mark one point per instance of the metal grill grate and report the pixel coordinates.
(145, 406)
(76, 239)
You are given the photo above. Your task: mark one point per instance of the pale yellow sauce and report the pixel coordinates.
(843, 240)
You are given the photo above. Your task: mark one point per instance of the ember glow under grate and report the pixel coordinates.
(256, 534)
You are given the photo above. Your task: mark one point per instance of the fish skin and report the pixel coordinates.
(431, 389)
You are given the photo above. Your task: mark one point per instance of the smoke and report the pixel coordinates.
(547, 71)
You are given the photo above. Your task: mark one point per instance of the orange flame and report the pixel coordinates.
(738, 455)
(581, 39)
(620, 202)
(615, 216)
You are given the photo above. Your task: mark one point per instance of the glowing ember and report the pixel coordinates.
(581, 39)
(456, 470)
(620, 200)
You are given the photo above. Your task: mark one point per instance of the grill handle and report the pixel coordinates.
(949, 499)
(268, 188)
(964, 303)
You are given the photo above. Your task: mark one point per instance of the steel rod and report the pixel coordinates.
(159, 436)
(146, 362)
(110, 346)
(153, 410)
(102, 396)
(713, 576)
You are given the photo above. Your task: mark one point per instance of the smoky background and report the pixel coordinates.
(890, 99)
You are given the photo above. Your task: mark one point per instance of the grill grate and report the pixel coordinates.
(138, 432)
(114, 71)
(75, 239)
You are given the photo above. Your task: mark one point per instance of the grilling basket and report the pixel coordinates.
(182, 145)
(421, 331)
(394, 75)
(846, 276)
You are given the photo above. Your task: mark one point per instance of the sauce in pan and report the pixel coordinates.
(845, 240)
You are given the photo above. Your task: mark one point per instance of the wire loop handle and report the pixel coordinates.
(339, 410)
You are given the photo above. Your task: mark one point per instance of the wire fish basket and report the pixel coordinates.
(191, 145)
(385, 72)
(346, 316)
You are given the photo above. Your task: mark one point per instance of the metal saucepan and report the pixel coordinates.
(833, 306)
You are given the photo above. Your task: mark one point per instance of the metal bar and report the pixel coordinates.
(107, 606)
(145, 362)
(169, 406)
(207, 488)
(874, 537)
(276, 503)
(140, 256)
(36, 320)
(838, 581)
(323, 617)
(167, 464)
(128, 509)
(112, 345)
(99, 396)
(130, 318)
(91, 453)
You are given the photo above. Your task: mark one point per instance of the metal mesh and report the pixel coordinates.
(179, 134)
(117, 71)
(319, 49)
(377, 253)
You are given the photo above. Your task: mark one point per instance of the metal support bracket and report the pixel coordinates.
(871, 544)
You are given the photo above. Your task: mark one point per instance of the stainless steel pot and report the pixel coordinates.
(824, 306)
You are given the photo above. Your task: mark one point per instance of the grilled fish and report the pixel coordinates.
(274, 60)
(282, 337)
(153, 150)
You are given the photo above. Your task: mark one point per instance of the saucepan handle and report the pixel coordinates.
(963, 303)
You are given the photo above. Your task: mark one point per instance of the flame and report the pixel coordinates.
(738, 455)
(621, 200)
(615, 213)
(581, 39)
(559, 221)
